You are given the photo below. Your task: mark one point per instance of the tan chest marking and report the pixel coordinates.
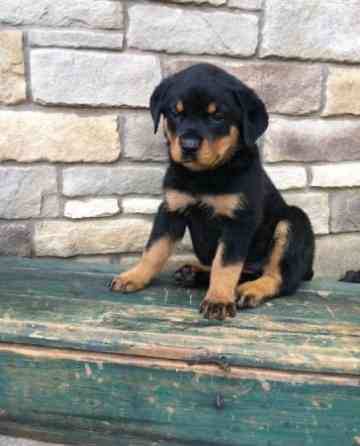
(225, 204)
(178, 201)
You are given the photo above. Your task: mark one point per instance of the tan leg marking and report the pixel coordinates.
(226, 204)
(151, 263)
(251, 294)
(219, 301)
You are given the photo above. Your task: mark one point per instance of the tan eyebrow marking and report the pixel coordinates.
(179, 107)
(212, 107)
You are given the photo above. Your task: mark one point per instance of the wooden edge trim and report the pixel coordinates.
(233, 372)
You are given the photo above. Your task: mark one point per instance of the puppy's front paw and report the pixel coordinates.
(128, 282)
(215, 306)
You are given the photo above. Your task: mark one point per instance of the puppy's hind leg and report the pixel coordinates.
(290, 260)
(192, 275)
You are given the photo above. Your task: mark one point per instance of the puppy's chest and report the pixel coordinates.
(220, 204)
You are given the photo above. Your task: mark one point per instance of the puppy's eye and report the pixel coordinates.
(217, 117)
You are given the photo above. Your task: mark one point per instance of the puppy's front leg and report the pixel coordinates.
(220, 299)
(168, 228)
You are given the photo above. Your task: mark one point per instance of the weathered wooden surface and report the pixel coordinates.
(81, 365)
(50, 304)
(161, 399)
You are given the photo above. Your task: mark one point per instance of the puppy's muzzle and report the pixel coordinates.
(190, 145)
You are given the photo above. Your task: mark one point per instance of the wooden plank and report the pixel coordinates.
(56, 307)
(56, 429)
(172, 400)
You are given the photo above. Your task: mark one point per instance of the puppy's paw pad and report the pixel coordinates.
(217, 308)
(126, 283)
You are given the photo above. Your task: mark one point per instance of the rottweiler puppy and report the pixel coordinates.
(250, 244)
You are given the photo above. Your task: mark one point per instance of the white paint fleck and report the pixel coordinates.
(100, 365)
(323, 293)
(266, 386)
(88, 370)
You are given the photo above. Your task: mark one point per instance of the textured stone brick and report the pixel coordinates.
(312, 140)
(75, 39)
(66, 239)
(337, 254)
(312, 30)
(31, 136)
(336, 175)
(245, 4)
(140, 142)
(316, 205)
(101, 14)
(131, 205)
(12, 79)
(160, 28)
(287, 177)
(23, 188)
(50, 206)
(112, 180)
(15, 240)
(94, 207)
(292, 88)
(343, 91)
(345, 211)
(97, 79)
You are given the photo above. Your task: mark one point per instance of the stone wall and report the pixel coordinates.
(80, 168)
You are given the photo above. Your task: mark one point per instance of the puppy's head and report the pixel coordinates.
(208, 116)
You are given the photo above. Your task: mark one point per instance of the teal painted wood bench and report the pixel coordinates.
(81, 365)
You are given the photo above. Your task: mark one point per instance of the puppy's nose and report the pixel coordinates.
(190, 144)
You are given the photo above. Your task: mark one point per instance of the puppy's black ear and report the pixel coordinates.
(157, 101)
(254, 117)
